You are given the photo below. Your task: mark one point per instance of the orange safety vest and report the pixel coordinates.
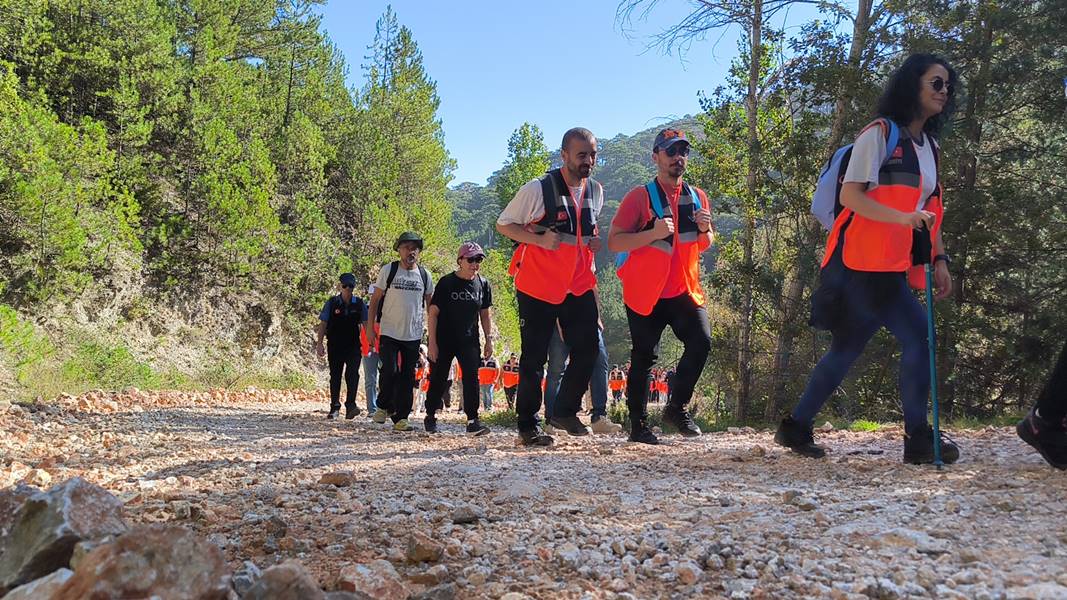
(549, 275)
(363, 338)
(424, 385)
(661, 386)
(486, 375)
(510, 377)
(644, 271)
(870, 245)
(616, 383)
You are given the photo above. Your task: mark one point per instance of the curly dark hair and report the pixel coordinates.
(900, 99)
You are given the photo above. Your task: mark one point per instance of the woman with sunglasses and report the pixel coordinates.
(460, 300)
(891, 198)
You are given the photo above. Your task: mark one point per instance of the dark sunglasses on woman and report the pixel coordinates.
(939, 84)
(475, 259)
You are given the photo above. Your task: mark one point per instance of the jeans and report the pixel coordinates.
(690, 324)
(344, 360)
(558, 351)
(370, 380)
(873, 301)
(1052, 404)
(577, 316)
(467, 353)
(396, 393)
(487, 396)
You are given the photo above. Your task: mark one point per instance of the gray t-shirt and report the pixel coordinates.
(868, 154)
(404, 309)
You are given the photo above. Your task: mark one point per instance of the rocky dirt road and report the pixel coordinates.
(266, 478)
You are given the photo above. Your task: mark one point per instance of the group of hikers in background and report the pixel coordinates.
(881, 202)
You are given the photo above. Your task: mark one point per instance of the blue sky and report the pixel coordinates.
(554, 63)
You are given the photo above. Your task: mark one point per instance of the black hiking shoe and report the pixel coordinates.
(476, 428)
(570, 425)
(351, 413)
(680, 419)
(430, 424)
(641, 434)
(798, 438)
(1048, 438)
(919, 447)
(333, 414)
(535, 437)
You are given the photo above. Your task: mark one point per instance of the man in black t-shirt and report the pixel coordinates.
(459, 302)
(339, 322)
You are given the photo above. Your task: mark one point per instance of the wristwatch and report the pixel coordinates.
(944, 257)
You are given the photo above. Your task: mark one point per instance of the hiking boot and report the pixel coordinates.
(641, 434)
(1048, 438)
(570, 425)
(604, 425)
(798, 438)
(351, 413)
(476, 428)
(380, 416)
(534, 437)
(430, 424)
(919, 447)
(680, 419)
(402, 425)
(333, 414)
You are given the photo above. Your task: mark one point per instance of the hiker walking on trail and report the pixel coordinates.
(616, 383)
(371, 361)
(341, 322)
(461, 301)
(1044, 427)
(510, 379)
(553, 220)
(400, 295)
(890, 207)
(558, 351)
(663, 227)
(488, 375)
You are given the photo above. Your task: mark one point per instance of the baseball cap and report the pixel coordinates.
(470, 250)
(348, 279)
(667, 138)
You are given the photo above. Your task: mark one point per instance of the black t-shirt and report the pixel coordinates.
(459, 301)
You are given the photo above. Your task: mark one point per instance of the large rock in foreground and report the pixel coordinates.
(287, 581)
(151, 561)
(47, 525)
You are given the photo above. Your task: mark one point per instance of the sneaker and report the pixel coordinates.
(919, 447)
(570, 425)
(402, 425)
(604, 425)
(680, 419)
(351, 413)
(333, 414)
(430, 424)
(1049, 439)
(798, 438)
(380, 416)
(476, 428)
(534, 437)
(641, 434)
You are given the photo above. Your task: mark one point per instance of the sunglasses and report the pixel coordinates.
(675, 150)
(940, 84)
(475, 259)
(345, 286)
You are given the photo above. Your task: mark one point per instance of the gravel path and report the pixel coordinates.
(725, 515)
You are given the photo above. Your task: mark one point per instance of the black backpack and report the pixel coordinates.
(393, 268)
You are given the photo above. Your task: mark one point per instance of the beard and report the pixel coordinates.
(676, 170)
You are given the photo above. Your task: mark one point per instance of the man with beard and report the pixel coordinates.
(663, 227)
(553, 220)
(401, 294)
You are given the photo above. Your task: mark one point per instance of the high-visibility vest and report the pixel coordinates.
(644, 271)
(486, 375)
(549, 275)
(511, 376)
(870, 245)
(363, 338)
(616, 382)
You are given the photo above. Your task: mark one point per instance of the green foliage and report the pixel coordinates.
(863, 425)
(527, 160)
(96, 365)
(505, 419)
(21, 343)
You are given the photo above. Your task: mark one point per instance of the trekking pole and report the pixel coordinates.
(925, 251)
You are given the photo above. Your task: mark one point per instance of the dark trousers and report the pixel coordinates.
(509, 393)
(396, 382)
(1052, 404)
(577, 316)
(690, 325)
(343, 361)
(873, 301)
(467, 353)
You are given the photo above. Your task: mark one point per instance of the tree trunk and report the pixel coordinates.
(790, 306)
(744, 370)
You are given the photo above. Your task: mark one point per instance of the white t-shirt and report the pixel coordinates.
(868, 154)
(528, 205)
(404, 310)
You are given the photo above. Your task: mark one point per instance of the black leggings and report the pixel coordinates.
(467, 354)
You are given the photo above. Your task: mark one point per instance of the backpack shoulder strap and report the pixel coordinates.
(425, 279)
(694, 193)
(892, 137)
(655, 198)
(550, 191)
(393, 267)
